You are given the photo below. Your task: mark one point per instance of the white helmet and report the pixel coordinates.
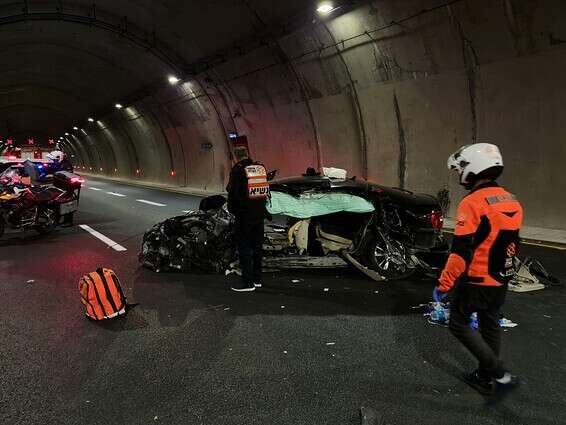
(472, 160)
(56, 156)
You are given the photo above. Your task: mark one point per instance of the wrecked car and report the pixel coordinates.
(319, 222)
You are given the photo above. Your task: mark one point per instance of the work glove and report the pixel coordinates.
(439, 296)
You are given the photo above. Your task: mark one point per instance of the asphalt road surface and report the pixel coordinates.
(307, 352)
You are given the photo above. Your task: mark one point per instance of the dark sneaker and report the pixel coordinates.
(485, 387)
(243, 287)
(258, 284)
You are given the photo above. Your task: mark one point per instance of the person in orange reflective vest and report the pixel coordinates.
(248, 191)
(481, 263)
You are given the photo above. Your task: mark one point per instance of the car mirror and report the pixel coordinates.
(271, 175)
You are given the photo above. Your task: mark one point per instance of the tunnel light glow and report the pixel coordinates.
(75, 128)
(325, 8)
(173, 80)
(119, 106)
(90, 120)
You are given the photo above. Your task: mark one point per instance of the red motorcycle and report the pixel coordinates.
(41, 208)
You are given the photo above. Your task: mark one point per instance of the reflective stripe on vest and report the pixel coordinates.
(492, 200)
(258, 187)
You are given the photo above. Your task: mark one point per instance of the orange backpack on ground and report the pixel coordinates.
(102, 295)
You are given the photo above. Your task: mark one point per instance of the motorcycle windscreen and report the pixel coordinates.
(316, 204)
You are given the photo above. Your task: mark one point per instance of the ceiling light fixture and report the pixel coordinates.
(118, 106)
(325, 8)
(67, 134)
(90, 120)
(173, 80)
(75, 128)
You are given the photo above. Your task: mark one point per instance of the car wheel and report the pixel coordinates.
(388, 257)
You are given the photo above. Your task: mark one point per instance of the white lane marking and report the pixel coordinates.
(103, 238)
(186, 211)
(157, 204)
(94, 188)
(116, 194)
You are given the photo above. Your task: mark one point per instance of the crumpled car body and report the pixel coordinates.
(319, 222)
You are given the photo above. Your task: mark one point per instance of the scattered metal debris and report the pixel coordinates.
(529, 275)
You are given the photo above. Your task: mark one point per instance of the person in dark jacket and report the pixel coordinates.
(247, 195)
(60, 162)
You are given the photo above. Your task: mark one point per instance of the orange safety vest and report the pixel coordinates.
(102, 295)
(486, 238)
(258, 187)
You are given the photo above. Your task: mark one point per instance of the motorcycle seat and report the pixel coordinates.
(47, 195)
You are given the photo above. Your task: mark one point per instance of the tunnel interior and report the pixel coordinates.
(385, 89)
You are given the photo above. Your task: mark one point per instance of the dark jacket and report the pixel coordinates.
(66, 165)
(251, 210)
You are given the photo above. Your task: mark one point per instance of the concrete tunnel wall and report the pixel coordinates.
(389, 105)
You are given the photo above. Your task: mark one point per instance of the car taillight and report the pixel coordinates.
(77, 180)
(436, 220)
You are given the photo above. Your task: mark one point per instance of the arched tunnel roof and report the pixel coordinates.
(68, 60)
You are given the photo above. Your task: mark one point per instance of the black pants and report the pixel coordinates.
(484, 343)
(249, 239)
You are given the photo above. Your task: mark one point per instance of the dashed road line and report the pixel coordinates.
(95, 188)
(115, 246)
(156, 204)
(116, 194)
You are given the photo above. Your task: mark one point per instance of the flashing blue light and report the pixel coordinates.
(40, 166)
(233, 135)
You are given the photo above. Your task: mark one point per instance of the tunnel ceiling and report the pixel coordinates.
(67, 60)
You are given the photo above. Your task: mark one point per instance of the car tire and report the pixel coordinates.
(388, 258)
